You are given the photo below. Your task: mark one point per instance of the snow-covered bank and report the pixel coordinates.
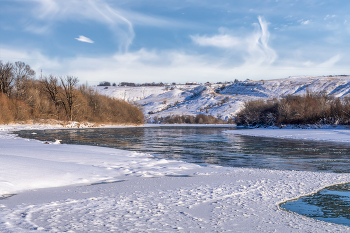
(30, 164)
(218, 200)
(337, 134)
(208, 199)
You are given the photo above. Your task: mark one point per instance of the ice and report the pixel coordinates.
(328, 133)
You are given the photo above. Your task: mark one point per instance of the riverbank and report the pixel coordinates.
(135, 192)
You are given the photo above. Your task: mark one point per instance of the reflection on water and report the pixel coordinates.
(210, 145)
(331, 204)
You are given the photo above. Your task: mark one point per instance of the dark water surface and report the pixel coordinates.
(211, 145)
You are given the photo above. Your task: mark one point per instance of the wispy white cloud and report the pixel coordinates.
(329, 17)
(267, 54)
(182, 67)
(47, 8)
(84, 39)
(305, 22)
(37, 28)
(176, 66)
(253, 48)
(330, 62)
(120, 21)
(50, 11)
(222, 41)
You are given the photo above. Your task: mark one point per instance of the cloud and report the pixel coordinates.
(329, 16)
(166, 66)
(305, 22)
(258, 47)
(253, 48)
(119, 21)
(221, 41)
(51, 11)
(330, 62)
(84, 39)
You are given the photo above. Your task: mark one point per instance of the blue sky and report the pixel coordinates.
(177, 41)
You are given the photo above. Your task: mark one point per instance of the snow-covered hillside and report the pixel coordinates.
(222, 100)
(338, 86)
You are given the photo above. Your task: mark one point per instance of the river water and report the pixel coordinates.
(212, 145)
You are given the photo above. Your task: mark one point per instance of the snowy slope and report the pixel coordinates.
(338, 86)
(223, 100)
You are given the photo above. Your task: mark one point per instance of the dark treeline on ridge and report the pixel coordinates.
(307, 109)
(24, 98)
(187, 119)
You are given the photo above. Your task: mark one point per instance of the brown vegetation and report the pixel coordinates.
(308, 109)
(23, 98)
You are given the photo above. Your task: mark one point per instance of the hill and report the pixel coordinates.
(222, 100)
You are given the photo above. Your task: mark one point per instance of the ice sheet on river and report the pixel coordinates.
(330, 134)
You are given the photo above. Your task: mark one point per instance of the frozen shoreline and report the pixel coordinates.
(329, 134)
(211, 199)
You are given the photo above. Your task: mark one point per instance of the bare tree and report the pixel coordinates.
(69, 94)
(6, 78)
(22, 73)
(52, 88)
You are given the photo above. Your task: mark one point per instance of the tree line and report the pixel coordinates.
(188, 119)
(23, 98)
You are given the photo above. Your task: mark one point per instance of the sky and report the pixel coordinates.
(177, 40)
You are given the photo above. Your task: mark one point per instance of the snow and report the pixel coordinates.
(331, 134)
(28, 164)
(239, 200)
(223, 100)
(73, 188)
(177, 100)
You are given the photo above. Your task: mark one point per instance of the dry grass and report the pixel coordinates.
(35, 104)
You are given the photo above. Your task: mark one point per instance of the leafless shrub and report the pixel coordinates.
(187, 119)
(6, 78)
(307, 109)
(69, 94)
(257, 112)
(22, 78)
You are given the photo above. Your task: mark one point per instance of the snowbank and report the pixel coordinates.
(337, 134)
(30, 164)
(180, 197)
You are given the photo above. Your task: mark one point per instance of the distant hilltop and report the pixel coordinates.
(221, 100)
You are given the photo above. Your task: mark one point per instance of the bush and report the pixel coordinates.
(60, 99)
(187, 119)
(6, 114)
(308, 109)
